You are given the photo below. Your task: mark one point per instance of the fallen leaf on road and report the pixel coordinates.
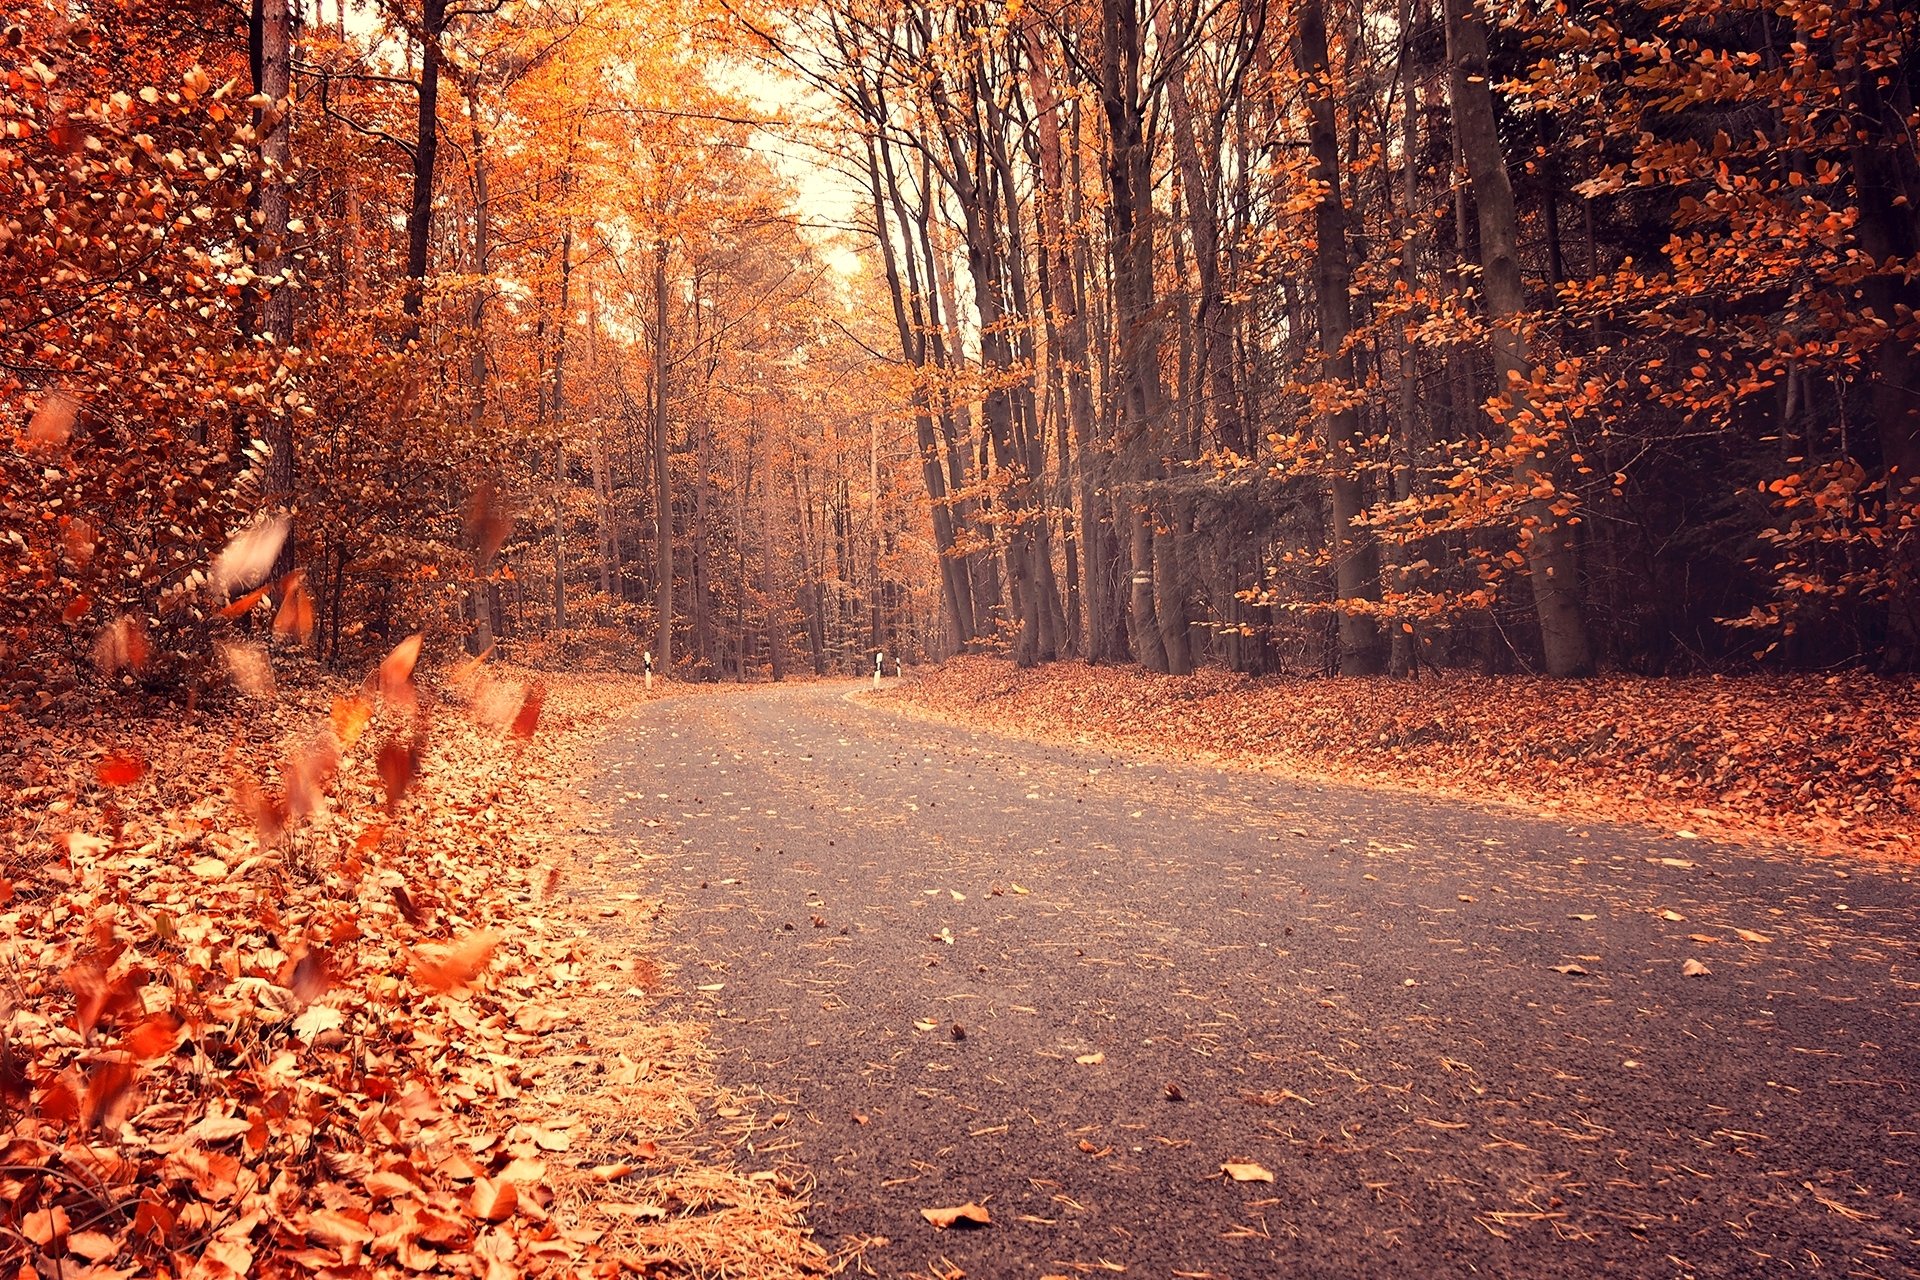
(1583, 915)
(1682, 863)
(968, 1214)
(1571, 970)
(1091, 1059)
(1748, 935)
(1694, 969)
(1246, 1172)
(1017, 889)
(1670, 914)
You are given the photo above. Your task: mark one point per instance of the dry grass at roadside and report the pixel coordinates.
(1830, 762)
(294, 987)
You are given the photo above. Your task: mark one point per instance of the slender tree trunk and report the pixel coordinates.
(276, 318)
(662, 476)
(1355, 560)
(1546, 537)
(560, 433)
(426, 149)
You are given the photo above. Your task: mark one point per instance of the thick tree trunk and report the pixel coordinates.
(1356, 565)
(1137, 329)
(1546, 537)
(1886, 171)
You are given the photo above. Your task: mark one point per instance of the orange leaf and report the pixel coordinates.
(350, 717)
(110, 1094)
(493, 1199)
(246, 602)
(445, 968)
(396, 671)
(295, 618)
(968, 1214)
(52, 423)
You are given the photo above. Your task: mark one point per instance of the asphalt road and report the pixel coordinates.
(953, 967)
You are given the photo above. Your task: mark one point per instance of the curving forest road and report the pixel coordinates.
(953, 967)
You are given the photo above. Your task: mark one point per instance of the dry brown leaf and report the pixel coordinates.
(248, 556)
(962, 1215)
(330, 1226)
(1246, 1172)
(493, 1199)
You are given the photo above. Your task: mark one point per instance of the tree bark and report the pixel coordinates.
(1546, 538)
(426, 148)
(662, 477)
(1356, 566)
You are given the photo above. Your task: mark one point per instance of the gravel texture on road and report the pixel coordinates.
(1070, 987)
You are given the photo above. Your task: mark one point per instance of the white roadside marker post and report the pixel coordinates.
(646, 660)
(879, 661)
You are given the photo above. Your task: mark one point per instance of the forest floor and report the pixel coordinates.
(314, 978)
(1831, 763)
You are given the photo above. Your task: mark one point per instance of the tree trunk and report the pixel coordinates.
(1886, 173)
(275, 81)
(662, 477)
(426, 148)
(1355, 560)
(560, 433)
(1546, 538)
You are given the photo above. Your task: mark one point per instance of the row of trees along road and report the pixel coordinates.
(1355, 335)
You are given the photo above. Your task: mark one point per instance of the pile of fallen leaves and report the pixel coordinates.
(1830, 761)
(289, 990)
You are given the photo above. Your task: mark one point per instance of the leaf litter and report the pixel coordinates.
(282, 997)
(1829, 761)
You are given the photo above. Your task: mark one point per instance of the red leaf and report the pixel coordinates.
(110, 1094)
(529, 717)
(120, 768)
(154, 1035)
(397, 762)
